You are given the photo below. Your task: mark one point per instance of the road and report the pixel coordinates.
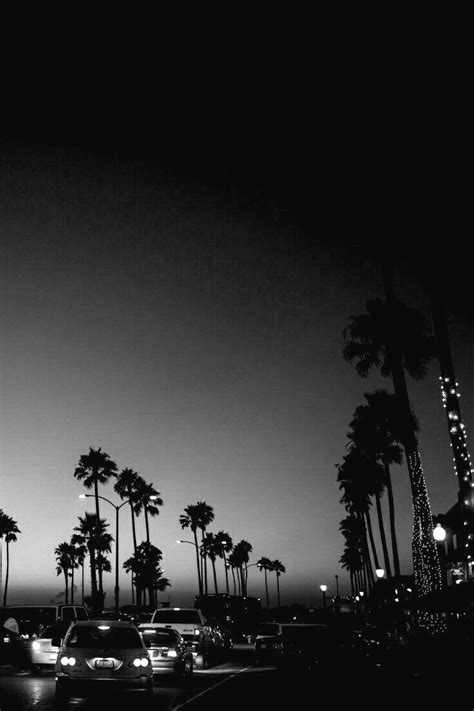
(238, 684)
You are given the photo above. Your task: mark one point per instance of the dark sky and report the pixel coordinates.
(180, 303)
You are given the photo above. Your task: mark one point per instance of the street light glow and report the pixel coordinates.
(82, 496)
(439, 533)
(380, 572)
(323, 588)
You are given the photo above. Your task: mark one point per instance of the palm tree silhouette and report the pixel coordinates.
(145, 567)
(224, 545)
(79, 548)
(396, 338)
(211, 548)
(241, 557)
(378, 431)
(195, 516)
(64, 564)
(93, 469)
(8, 530)
(357, 479)
(265, 564)
(97, 541)
(143, 502)
(278, 568)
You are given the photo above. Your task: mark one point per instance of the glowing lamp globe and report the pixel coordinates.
(380, 572)
(439, 534)
(323, 588)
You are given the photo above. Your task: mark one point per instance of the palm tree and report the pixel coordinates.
(195, 516)
(211, 548)
(93, 469)
(232, 563)
(241, 556)
(191, 519)
(206, 516)
(378, 430)
(78, 545)
(64, 565)
(224, 545)
(353, 558)
(97, 541)
(144, 502)
(265, 564)
(278, 568)
(396, 338)
(8, 530)
(145, 567)
(126, 486)
(357, 478)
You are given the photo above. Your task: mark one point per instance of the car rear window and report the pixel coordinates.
(92, 637)
(158, 637)
(54, 631)
(180, 616)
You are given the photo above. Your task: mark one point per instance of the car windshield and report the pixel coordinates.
(158, 637)
(180, 616)
(54, 631)
(92, 637)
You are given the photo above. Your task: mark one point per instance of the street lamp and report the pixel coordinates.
(323, 589)
(379, 572)
(439, 533)
(117, 509)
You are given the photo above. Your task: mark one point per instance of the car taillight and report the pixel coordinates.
(68, 661)
(172, 653)
(140, 662)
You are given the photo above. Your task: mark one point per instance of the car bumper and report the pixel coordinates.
(90, 687)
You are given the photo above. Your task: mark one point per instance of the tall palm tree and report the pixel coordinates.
(224, 545)
(356, 477)
(93, 469)
(232, 562)
(378, 431)
(126, 486)
(64, 564)
(143, 502)
(206, 516)
(265, 564)
(278, 568)
(78, 545)
(191, 519)
(395, 338)
(97, 541)
(145, 566)
(8, 530)
(211, 548)
(242, 551)
(353, 558)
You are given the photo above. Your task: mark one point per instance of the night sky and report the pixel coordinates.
(182, 307)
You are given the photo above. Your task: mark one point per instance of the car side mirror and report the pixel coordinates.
(56, 642)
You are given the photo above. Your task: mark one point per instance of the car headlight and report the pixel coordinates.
(35, 646)
(172, 653)
(197, 632)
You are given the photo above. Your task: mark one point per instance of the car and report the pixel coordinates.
(193, 628)
(306, 647)
(169, 653)
(102, 656)
(32, 619)
(265, 641)
(12, 648)
(43, 654)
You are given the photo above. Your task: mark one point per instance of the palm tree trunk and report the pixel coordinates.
(382, 537)
(82, 583)
(226, 574)
(366, 554)
(391, 509)
(146, 524)
(351, 574)
(278, 589)
(233, 579)
(198, 562)
(134, 533)
(66, 589)
(266, 590)
(72, 580)
(371, 538)
(7, 570)
(426, 565)
(215, 576)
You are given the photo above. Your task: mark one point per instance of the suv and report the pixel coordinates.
(192, 626)
(33, 619)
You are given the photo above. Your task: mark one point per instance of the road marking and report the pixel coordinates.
(201, 693)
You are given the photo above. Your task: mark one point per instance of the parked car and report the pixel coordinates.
(43, 654)
(100, 657)
(12, 648)
(169, 652)
(266, 641)
(32, 619)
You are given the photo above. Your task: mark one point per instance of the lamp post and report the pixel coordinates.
(198, 549)
(379, 572)
(323, 589)
(337, 585)
(117, 509)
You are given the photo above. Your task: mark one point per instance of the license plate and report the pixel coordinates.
(104, 664)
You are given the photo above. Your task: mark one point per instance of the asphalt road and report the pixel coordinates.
(238, 684)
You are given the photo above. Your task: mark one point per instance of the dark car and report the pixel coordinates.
(305, 647)
(169, 652)
(12, 648)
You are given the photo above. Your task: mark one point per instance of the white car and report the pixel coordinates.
(43, 654)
